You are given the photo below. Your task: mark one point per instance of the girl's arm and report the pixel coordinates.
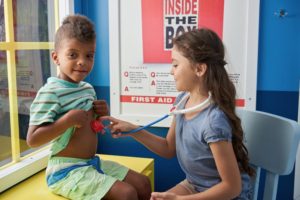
(231, 184)
(164, 147)
(38, 135)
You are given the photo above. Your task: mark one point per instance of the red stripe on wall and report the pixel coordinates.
(161, 100)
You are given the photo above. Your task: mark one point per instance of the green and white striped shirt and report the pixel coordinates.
(55, 99)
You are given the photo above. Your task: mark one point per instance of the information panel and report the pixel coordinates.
(141, 33)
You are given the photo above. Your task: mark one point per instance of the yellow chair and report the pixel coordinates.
(35, 186)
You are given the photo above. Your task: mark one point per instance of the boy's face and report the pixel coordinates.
(74, 59)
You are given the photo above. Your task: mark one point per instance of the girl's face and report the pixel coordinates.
(75, 59)
(185, 75)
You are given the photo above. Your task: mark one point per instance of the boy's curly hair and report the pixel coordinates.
(75, 26)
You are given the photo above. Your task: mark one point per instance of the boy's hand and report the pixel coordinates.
(77, 118)
(100, 107)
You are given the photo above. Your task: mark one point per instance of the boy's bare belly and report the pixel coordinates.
(83, 143)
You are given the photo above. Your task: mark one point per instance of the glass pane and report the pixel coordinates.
(2, 22)
(5, 139)
(33, 20)
(33, 69)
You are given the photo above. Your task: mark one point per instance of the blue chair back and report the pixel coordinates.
(272, 143)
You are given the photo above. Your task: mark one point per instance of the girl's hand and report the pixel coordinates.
(117, 126)
(77, 118)
(100, 107)
(163, 196)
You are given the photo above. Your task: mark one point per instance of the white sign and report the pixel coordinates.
(142, 88)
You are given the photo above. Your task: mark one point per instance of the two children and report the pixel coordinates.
(207, 142)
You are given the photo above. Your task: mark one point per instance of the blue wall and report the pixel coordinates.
(277, 84)
(279, 68)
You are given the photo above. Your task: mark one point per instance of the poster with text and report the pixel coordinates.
(142, 86)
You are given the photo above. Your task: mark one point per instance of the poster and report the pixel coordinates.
(142, 88)
(170, 18)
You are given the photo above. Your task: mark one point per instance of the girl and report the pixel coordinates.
(208, 141)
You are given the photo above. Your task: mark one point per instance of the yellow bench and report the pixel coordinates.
(35, 186)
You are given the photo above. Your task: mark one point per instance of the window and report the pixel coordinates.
(26, 39)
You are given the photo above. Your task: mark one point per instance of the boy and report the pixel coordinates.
(62, 112)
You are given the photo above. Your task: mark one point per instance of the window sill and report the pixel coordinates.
(26, 167)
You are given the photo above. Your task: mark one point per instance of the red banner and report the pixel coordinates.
(161, 100)
(147, 99)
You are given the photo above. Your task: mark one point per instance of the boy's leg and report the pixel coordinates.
(140, 182)
(121, 190)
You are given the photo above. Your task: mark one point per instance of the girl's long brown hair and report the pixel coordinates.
(204, 46)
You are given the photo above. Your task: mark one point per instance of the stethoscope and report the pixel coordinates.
(175, 111)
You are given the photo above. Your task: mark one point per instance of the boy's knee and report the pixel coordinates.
(129, 193)
(121, 190)
(144, 189)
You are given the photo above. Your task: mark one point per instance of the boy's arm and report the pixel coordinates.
(38, 135)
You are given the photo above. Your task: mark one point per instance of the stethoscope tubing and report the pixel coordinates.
(146, 126)
(173, 111)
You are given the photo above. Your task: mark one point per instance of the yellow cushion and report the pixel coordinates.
(35, 186)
